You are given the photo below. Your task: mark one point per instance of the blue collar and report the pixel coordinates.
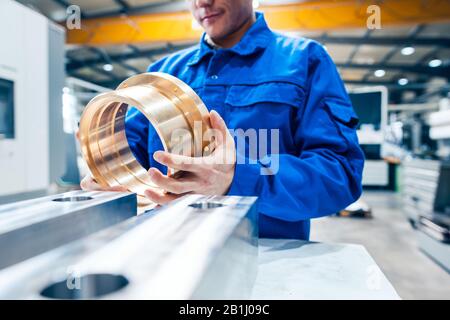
(255, 39)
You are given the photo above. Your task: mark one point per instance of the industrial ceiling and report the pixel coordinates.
(410, 55)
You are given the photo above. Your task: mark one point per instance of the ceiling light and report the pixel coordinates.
(435, 63)
(255, 4)
(380, 73)
(407, 51)
(403, 81)
(108, 67)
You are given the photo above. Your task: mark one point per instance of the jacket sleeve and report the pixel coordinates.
(325, 175)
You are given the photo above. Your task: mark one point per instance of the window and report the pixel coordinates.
(6, 109)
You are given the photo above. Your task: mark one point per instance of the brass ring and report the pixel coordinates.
(167, 102)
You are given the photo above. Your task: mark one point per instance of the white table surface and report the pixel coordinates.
(293, 269)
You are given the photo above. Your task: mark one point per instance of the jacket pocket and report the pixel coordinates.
(342, 112)
(345, 120)
(279, 93)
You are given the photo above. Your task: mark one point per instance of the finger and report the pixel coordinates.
(176, 186)
(178, 162)
(160, 197)
(218, 123)
(117, 189)
(89, 184)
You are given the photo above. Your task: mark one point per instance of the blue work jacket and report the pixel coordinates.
(272, 81)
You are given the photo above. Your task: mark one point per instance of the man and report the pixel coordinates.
(257, 79)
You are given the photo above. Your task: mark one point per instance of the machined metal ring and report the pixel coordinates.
(167, 102)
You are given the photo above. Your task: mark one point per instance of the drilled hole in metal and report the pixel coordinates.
(72, 199)
(86, 287)
(205, 205)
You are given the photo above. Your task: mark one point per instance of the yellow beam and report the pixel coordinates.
(307, 15)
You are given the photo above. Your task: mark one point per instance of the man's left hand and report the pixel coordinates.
(210, 175)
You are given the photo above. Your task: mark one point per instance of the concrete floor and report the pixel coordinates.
(391, 241)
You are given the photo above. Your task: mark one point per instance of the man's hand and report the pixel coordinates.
(89, 184)
(210, 175)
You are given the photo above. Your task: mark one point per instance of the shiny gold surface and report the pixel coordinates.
(168, 103)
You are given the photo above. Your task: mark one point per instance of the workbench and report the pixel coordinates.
(294, 269)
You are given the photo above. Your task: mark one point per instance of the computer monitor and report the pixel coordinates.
(370, 104)
(6, 109)
(368, 107)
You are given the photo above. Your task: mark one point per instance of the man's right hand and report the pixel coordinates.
(89, 184)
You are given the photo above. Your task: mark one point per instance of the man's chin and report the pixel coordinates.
(215, 35)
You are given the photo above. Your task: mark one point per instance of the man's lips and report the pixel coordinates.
(211, 16)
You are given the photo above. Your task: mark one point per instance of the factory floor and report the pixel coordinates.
(391, 241)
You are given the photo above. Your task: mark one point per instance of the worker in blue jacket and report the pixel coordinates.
(251, 78)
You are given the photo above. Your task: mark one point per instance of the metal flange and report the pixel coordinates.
(167, 102)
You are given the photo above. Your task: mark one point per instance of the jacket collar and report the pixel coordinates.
(255, 39)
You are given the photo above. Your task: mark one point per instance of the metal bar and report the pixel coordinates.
(386, 41)
(85, 84)
(123, 4)
(63, 3)
(421, 69)
(440, 71)
(197, 247)
(31, 227)
(421, 107)
(394, 84)
(76, 64)
(356, 48)
(159, 7)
